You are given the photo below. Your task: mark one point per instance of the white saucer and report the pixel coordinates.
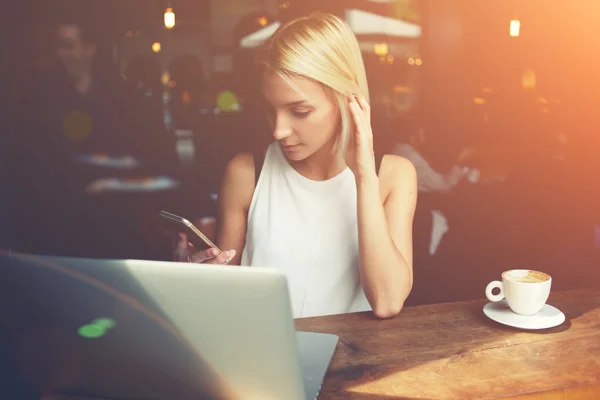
(548, 317)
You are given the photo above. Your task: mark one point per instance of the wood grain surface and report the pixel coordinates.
(452, 351)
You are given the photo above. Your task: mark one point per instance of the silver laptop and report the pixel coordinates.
(158, 330)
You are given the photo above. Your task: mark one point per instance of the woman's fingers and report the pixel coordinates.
(360, 110)
(223, 259)
(364, 105)
(184, 248)
(203, 256)
(356, 115)
(212, 256)
(186, 252)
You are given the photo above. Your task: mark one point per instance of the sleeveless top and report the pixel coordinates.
(308, 230)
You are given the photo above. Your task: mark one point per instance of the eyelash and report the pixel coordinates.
(297, 114)
(301, 114)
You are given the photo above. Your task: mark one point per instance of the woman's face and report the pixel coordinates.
(303, 121)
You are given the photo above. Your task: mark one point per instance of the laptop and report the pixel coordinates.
(130, 329)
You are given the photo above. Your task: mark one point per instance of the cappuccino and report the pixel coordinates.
(528, 277)
(525, 291)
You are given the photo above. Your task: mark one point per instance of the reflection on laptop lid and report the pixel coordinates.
(155, 330)
(73, 334)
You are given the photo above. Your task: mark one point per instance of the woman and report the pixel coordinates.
(315, 207)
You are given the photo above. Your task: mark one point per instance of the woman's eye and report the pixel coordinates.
(301, 114)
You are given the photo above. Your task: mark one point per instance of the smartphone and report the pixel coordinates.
(194, 235)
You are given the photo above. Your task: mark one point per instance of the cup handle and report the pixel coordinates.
(491, 286)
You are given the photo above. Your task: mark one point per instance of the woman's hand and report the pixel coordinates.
(359, 154)
(186, 252)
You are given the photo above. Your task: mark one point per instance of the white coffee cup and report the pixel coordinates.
(525, 291)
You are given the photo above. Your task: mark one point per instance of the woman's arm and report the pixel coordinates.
(386, 206)
(235, 195)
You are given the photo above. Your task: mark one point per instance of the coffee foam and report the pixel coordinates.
(528, 276)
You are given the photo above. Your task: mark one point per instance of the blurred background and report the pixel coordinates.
(112, 110)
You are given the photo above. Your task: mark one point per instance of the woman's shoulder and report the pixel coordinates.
(393, 165)
(245, 167)
(237, 184)
(241, 167)
(396, 170)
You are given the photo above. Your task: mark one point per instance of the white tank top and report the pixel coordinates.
(308, 230)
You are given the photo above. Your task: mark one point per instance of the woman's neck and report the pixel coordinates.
(322, 165)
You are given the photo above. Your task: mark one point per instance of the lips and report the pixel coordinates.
(290, 147)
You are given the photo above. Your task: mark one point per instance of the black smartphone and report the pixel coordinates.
(195, 236)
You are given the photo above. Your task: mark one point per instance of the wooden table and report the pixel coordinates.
(452, 351)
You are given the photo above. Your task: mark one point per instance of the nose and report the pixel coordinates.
(281, 129)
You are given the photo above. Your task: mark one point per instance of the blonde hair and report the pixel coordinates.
(323, 48)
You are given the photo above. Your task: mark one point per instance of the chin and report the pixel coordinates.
(295, 156)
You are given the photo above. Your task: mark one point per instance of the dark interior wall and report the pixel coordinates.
(11, 42)
(468, 45)
(27, 41)
(8, 47)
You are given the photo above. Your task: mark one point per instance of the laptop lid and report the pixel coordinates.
(186, 331)
(72, 334)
